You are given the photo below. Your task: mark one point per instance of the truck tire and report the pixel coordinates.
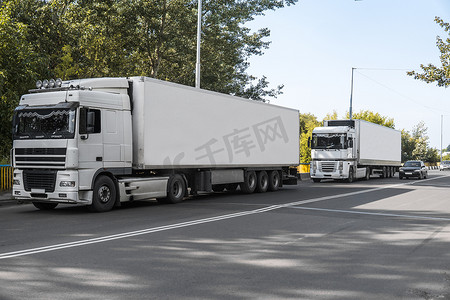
(263, 182)
(249, 184)
(350, 175)
(176, 188)
(274, 181)
(367, 174)
(45, 206)
(104, 196)
(384, 174)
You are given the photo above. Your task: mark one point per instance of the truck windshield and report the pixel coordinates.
(44, 123)
(329, 141)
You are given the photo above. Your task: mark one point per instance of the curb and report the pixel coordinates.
(6, 196)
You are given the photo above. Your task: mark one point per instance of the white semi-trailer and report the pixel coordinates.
(104, 141)
(350, 149)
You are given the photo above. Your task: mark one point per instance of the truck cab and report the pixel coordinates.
(332, 152)
(65, 134)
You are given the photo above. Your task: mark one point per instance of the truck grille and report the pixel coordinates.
(40, 157)
(39, 180)
(327, 166)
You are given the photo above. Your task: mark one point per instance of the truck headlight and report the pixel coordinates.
(16, 182)
(341, 165)
(67, 184)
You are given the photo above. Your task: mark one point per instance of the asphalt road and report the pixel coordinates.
(376, 239)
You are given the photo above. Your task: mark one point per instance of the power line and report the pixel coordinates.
(395, 91)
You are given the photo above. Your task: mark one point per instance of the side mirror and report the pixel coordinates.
(350, 143)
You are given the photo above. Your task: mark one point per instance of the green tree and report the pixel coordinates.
(408, 145)
(438, 74)
(19, 64)
(432, 156)
(91, 38)
(331, 116)
(307, 123)
(373, 117)
(419, 134)
(415, 145)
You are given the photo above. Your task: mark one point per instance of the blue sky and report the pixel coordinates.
(315, 44)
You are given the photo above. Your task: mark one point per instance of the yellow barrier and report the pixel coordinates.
(303, 168)
(6, 175)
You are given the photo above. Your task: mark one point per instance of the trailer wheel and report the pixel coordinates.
(274, 181)
(249, 184)
(263, 182)
(175, 189)
(384, 174)
(104, 194)
(45, 206)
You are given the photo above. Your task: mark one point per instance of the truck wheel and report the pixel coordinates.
(384, 174)
(104, 194)
(350, 176)
(274, 181)
(263, 182)
(367, 174)
(45, 206)
(249, 184)
(175, 189)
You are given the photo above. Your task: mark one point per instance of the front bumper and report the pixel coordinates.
(410, 174)
(60, 193)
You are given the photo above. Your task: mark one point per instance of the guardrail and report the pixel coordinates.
(6, 177)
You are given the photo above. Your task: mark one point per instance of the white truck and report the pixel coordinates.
(350, 149)
(104, 141)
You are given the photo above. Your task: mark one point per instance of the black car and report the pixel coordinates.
(413, 168)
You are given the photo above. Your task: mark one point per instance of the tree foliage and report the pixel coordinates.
(415, 145)
(157, 38)
(373, 117)
(438, 74)
(307, 123)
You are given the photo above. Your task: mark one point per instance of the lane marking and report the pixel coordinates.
(190, 223)
(373, 213)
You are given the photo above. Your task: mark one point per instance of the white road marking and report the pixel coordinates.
(373, 213)
(190, 223)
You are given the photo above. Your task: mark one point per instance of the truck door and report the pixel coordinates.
(112, 138)
(90, 146)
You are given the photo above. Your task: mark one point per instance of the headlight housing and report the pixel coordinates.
(67, 184)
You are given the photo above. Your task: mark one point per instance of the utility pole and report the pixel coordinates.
(199, 33)
(442, 121)
(351, 96)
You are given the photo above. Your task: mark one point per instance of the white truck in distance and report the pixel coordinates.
(104, 141)
(350, 149)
